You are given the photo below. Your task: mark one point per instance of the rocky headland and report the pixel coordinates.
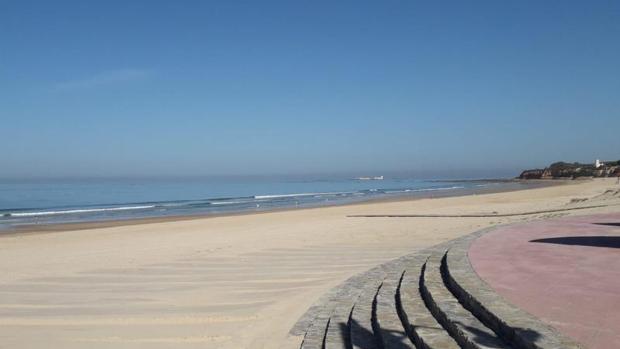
(565, 170)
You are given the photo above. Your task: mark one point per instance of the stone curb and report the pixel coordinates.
(462, 325)
(360, 298)
(391, 332)
(427, 333)
(513, 324)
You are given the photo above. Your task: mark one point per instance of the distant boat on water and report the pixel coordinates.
(376, 178)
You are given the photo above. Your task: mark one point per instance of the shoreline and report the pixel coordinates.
(239, 281)
(42, 228)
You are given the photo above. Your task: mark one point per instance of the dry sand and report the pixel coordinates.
(229, 282)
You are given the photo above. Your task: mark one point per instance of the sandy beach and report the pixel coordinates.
(233, 282)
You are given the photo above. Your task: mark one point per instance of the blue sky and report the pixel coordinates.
(274, 87)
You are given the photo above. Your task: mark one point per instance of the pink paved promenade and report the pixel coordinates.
(571, 280)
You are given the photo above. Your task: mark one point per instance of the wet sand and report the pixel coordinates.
(513, 185)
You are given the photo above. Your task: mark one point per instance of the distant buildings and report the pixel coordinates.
(598, 163)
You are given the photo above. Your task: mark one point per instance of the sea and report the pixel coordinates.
(49, 201)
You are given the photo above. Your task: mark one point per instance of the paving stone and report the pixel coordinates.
(318, 327)
(462, 325)
(361, 324)
(422, 301)
(338, 335)
(421, 325)
(389, 328)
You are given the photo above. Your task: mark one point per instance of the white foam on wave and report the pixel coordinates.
(295, 195)
(444, 188)
(422, 190)
(227, 202)
(85, 210)
(245, 200)
(397, 191)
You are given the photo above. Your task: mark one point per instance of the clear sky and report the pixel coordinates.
(117, 88)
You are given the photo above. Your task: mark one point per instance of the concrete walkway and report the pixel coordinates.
(565, 272)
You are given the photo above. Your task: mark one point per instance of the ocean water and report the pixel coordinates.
(84, 200)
